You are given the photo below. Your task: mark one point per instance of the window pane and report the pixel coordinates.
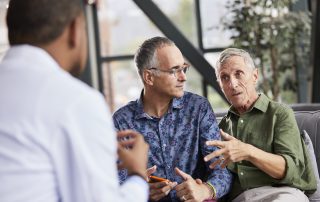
(212, 13)
(4, 44)
(123, 86)
(214, 98)
(123, 27)
(182, 14)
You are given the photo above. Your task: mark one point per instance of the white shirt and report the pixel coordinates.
(57, 141)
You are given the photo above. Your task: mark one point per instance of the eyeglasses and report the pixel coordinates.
(177, 70)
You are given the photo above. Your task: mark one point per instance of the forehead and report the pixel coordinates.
(169, 56)
(234, 63)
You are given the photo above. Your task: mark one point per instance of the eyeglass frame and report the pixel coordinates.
(174, 70)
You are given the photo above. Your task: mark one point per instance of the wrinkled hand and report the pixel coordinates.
(133, 152)
(231, 150)
(191, 190)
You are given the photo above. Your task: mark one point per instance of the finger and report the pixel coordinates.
(158, 185)
(126, 143)
(127, 133)
(225, 163)
(198, 181)
(161, 190)
(173, 184)
(182, 174)
(214, 154)
(226, 136)
(151, 170)
(215, 163)
(216, 143)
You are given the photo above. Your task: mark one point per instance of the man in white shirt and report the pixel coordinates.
(57, 141)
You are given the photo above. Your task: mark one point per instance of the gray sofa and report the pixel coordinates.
(308, 118)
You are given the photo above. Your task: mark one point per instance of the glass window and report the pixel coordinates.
(214, 98)
(123, 27)
(4, 44)
(213, 33)
(182, 14)
(121, 83)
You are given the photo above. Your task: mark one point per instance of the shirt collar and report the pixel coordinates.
(261, 104)
(40, 57)
(177, 103)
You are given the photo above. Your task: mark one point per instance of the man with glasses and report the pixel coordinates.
(176, 124)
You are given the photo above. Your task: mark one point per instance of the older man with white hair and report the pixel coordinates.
(263, 147)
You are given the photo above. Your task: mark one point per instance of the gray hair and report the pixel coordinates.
(229, 52)
(145, 56)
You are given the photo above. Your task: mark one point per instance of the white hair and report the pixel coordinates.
(229, 52)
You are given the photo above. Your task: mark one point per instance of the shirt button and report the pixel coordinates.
(168, 167)
(241, 121)
(164, 145)
(241, 173)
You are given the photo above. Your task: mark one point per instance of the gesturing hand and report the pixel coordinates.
(158, 190)
(133, 152)
(191, 190)
(231, 150)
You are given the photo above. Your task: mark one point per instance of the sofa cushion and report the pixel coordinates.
(310, 122)
(315, 197)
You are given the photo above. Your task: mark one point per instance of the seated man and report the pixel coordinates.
(262, 146)
(176, 124)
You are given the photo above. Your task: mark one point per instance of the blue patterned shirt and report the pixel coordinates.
(177, 139)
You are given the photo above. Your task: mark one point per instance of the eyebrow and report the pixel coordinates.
(178, 66)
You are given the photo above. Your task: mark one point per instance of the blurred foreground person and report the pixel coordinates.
(57, 142)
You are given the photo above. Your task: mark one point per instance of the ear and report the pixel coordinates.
(74, 34)
(255, 75)
(148, 77)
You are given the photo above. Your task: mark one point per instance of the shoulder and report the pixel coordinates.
(194, 98)
(279, 108)
(128, 109)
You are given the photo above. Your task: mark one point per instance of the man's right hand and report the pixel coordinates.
(133, 152)
(158, 190)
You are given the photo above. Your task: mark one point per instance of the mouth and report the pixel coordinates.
(236, 94)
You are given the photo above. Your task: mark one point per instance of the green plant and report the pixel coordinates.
(277, 38)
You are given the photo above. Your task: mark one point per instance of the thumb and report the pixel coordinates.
(198, 181)
(151, 170)
(182, 174)
(226, 136)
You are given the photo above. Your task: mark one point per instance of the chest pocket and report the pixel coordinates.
(261, 140)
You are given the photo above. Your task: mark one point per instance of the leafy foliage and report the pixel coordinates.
(277, 38)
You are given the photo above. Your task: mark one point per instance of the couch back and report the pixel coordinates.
(308, 118)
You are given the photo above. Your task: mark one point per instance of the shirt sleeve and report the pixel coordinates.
(219, 177)
(84, 154)
(288, 144)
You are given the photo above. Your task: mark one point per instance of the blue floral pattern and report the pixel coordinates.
(177, 139)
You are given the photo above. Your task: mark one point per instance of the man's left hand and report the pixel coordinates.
(191, 190)
(231, 150)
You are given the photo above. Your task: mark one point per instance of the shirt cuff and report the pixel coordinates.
(290, 167)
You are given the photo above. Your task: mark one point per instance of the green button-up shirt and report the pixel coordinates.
(269, 126)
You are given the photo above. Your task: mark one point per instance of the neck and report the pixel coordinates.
(247, 107)
(155, 105)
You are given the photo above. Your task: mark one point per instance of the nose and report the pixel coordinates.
(181, 75)
(233, 82)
